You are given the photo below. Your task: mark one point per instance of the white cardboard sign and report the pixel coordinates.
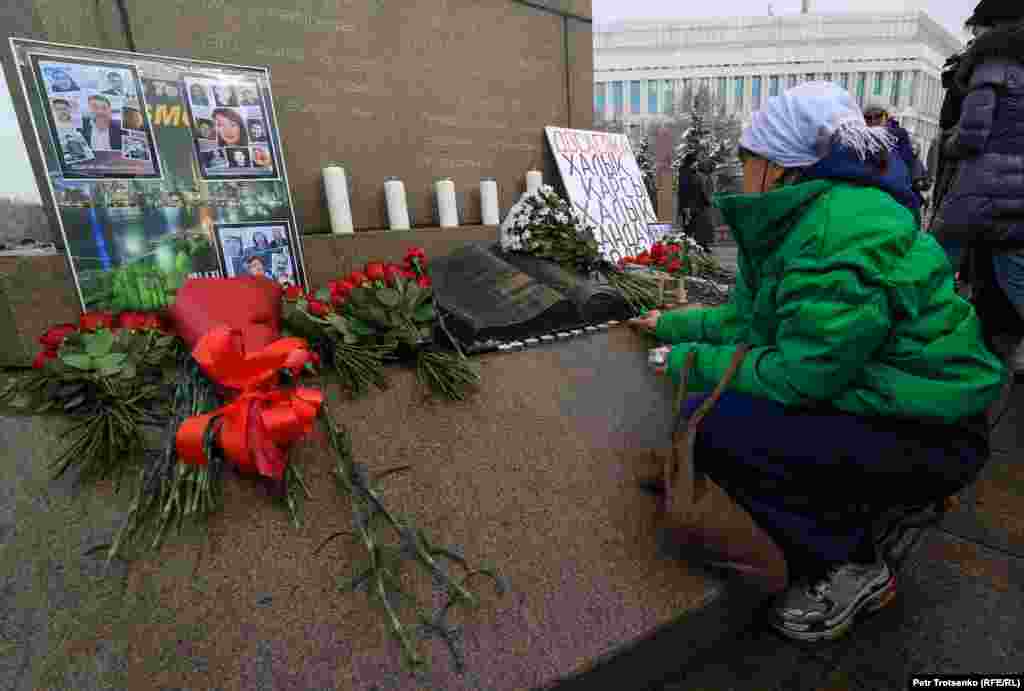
(604, 184)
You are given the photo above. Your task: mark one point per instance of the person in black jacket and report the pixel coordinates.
(694, 196)
(979, 196)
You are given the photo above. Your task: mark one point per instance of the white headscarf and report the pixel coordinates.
(798, 128)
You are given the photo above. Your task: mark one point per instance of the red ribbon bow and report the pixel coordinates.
(262, 421)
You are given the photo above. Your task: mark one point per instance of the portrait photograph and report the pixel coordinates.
(225, 96)
(132, 119)
(257, 130)
(204, 130)
(102, 103)
(238, 157)
(66, 112)
(198, 95)
(249, 95)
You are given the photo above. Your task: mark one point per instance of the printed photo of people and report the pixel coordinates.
(257, 131)
(235, 122)
(204, 130)
(263, 251)
(225, 96)
(238, 157)
(133, 119)
(135, 148)
(198, 95)
(102, 104)
(66, 112)
(75, 148)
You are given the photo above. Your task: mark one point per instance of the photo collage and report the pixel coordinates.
(97, 119)
(230, 128)
(263, 250)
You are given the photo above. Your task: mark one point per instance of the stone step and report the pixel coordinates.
(528, 476)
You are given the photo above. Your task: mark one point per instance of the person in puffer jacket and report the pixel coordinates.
(867, 378)
(979, 198)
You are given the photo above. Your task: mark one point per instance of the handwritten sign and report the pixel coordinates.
(604, 184)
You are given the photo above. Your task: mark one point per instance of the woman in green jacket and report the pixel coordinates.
(867, 379)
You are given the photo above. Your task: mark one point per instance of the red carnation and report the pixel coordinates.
(43, 357)
(138, 321)
(292, 293)
(317, 308)
(643, 259)
(55, 335)
(423, 281)
(675, 249)
(357, 278)
(674, 265)
(375, 271)
(415, 253)
(391, 272)
(658, 250)
(90, 321)
(407, 273)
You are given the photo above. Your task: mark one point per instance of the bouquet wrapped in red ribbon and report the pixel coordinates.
(232, 407)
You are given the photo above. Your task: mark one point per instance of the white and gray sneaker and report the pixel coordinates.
(1016, 363)
(825, 609)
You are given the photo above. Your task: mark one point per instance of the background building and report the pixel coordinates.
(644, 70)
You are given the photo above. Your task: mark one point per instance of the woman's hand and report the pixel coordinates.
(647, 322)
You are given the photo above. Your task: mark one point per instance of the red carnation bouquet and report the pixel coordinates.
(383, 313)
(108, 373)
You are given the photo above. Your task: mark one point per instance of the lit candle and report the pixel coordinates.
(336, 189)
(534, 179)
(489, 202)
(447, 209)
(398, 210)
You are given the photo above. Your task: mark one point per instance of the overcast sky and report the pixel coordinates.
(16, 179)
(949, 13)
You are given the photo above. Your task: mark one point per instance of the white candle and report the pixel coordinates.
(447, 209)
(398, 210)
(534, 179)
(336, 189)
(489, 202)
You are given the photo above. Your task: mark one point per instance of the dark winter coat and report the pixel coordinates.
(985, 198)
(979, 191)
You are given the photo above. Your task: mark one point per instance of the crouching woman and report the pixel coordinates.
(866, 379)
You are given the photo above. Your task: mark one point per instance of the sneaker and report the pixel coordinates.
(825, 610)
(1016, 363)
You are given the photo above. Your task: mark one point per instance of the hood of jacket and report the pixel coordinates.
(1005, 42)
(843, 164)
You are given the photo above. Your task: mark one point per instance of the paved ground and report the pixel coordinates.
(960, 604)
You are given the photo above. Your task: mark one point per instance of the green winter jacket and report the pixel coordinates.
(842, 301)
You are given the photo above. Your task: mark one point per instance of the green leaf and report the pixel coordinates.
(341, 325)
(388, 297)
(99, 343)
(111, 361)
(128, 371)
(413, 293)
(78, 361)
(359, 296)
(360, 328)
(424, 313)
(378, 315)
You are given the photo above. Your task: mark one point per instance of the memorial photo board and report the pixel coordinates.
(605, 186)
(129, 142)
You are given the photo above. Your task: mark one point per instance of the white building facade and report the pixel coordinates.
(642, 69)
